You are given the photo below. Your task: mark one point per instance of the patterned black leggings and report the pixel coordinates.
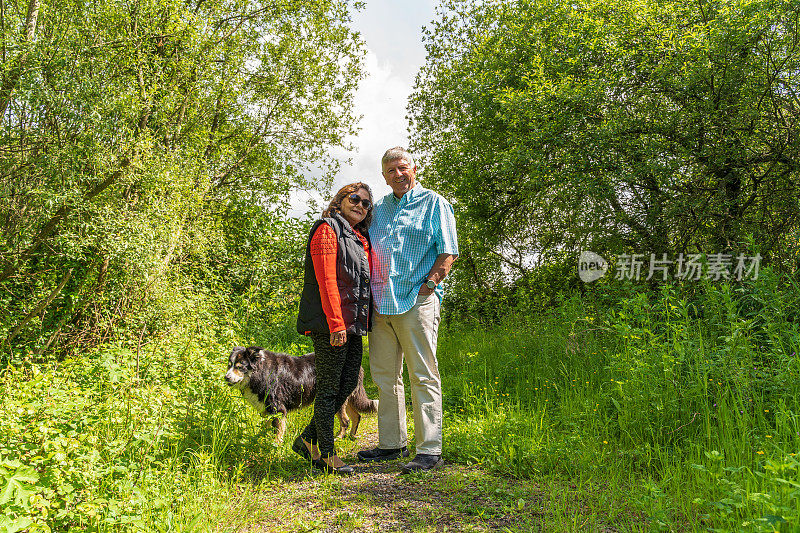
(337, 377)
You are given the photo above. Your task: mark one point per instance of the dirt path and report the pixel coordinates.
(377, 497)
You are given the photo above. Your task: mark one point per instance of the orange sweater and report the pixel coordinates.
(324, 249)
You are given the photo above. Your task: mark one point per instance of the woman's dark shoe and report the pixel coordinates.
(299, 447)
(344, 470)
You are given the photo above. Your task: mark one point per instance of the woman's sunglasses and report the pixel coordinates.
(354, 199)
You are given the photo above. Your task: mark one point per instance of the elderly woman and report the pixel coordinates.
(335, 310)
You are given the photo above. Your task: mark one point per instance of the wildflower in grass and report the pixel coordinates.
(768, 436)
(605, 442)
(766, 410)
(759, 452)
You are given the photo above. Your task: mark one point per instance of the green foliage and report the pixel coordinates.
(120, 441)
(778, 508)
(648, 126)
(149, 150)
(17, 487)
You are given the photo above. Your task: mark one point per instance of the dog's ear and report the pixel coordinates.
(254, 353)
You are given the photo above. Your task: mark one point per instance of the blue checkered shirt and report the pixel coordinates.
(407, 235)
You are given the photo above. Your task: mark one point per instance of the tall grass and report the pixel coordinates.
(686, 402)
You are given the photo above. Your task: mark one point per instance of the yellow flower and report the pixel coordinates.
(768, 436)
(759, 452)
(605, 442)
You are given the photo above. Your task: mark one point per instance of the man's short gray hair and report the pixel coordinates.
(398, 152)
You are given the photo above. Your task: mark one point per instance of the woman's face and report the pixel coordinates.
(355, 212)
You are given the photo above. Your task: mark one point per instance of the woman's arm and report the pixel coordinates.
(324, 249)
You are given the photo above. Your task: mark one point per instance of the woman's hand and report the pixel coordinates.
(338, 338)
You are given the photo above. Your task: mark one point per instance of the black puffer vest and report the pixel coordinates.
(352, 277)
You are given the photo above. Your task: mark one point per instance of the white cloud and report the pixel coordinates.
(395, 53)
(381, 99)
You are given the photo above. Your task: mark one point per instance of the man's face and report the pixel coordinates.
(400, 176)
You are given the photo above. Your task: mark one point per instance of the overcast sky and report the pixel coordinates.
(393, 37)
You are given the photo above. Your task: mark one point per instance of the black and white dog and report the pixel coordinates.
(276, 383)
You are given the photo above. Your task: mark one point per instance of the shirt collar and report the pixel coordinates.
(407, 197)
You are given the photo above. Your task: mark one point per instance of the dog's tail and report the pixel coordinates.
(359, 399)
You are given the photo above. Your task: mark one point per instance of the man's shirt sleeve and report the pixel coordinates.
(444, 226)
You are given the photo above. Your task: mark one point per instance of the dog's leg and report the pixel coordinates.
(344, 422)
(355, 416)
(279, 423)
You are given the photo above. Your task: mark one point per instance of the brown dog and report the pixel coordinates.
(276, 383)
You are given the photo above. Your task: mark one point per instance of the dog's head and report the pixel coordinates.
(241, 364)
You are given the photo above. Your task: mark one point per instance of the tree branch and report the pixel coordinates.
(61, 214)
(39, 308)
(28, 33)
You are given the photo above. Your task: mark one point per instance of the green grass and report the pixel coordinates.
(690, 420)
(658, 413)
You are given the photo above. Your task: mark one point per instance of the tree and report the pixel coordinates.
(132, 131)
(628, 126)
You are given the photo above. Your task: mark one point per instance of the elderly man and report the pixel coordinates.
(414, 241)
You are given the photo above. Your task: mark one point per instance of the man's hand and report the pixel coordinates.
(425, 291)
(338, 338)
(438, 272)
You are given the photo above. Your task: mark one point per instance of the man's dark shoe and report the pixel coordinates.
(421, 462)
(381, 454)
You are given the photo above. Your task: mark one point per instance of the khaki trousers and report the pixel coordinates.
(411, 335)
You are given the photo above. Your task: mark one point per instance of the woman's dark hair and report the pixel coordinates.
(336, 204)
